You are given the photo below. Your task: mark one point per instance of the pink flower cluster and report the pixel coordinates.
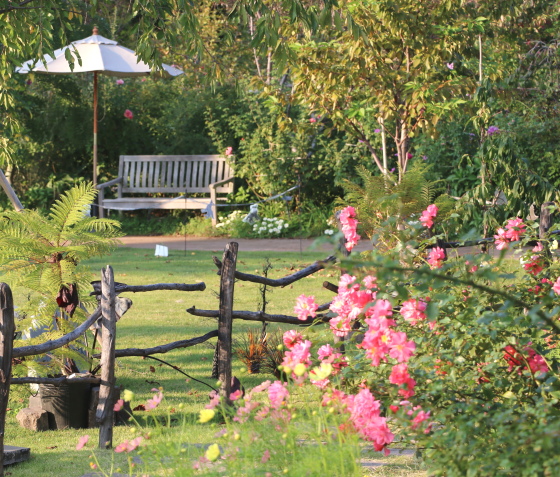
(298, 354)
(516, 360)
(305, 307)
(436, 257)
(350, 302)
(556, 286)
(365, 415)
(381, 341)
(349, 225)
(535, 265)
(429, 215)
(291, 338)
(512, 233)
(329, 356)
(413, 311)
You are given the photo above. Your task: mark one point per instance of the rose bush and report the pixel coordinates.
(457, 356)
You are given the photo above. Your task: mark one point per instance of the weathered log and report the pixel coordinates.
(280, 282)
(227, 284)
(122, 287)
(330, 286)
(120, 353)
(7, 329)
(47, 346)
(104, 413)
(260, 316)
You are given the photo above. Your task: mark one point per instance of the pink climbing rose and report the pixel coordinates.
(291, 338)
(556, 286)
(436, 257)
(429, 215)
(305, 307)
(413, 310)
(514, 229)
(128, 114)
(349, 225)
(500, 239)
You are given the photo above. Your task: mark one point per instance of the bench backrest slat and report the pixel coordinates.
(174, 174)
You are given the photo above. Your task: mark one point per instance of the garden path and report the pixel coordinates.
(217, 244)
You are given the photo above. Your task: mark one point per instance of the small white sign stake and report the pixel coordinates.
(161, 251)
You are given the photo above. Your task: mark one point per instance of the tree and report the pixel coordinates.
(32, 29)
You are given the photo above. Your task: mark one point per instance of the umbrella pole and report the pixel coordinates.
(95, 128)
(10, 192)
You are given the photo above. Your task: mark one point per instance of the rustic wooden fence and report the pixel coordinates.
(108, 290)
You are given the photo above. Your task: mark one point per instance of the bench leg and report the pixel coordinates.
(214, 208)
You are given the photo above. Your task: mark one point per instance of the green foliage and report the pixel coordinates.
(43, 255)
(276, 147)
(380, 200)
(504, 171)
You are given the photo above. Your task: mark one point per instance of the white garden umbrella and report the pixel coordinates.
(96, 54)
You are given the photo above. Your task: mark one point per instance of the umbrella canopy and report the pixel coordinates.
(96, 54)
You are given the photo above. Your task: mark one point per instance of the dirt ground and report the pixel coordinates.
(217, 244)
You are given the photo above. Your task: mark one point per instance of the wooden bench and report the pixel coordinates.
(169, 182)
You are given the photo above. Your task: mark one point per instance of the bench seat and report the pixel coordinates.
(189, 182)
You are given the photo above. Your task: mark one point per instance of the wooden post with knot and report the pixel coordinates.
(104, 413)
(225, 320)
(7, 329)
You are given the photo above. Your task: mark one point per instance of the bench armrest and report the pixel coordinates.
(219, 183)
(118, 180)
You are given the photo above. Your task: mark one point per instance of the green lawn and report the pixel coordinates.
(157, 318)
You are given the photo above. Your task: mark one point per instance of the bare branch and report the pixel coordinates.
(122, 287)
(119, 353)
(260, 316)
(280, 282)
(58, 343)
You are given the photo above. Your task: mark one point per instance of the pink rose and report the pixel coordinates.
(128, 114)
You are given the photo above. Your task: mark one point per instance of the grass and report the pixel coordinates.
(158, 318)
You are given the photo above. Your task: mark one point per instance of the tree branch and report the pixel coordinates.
(280, 282)
(58, 343)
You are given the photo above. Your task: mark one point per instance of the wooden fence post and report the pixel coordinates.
(104, 413)
(225, 320)
(7, 329)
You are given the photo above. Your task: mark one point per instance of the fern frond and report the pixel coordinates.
(72, 206)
